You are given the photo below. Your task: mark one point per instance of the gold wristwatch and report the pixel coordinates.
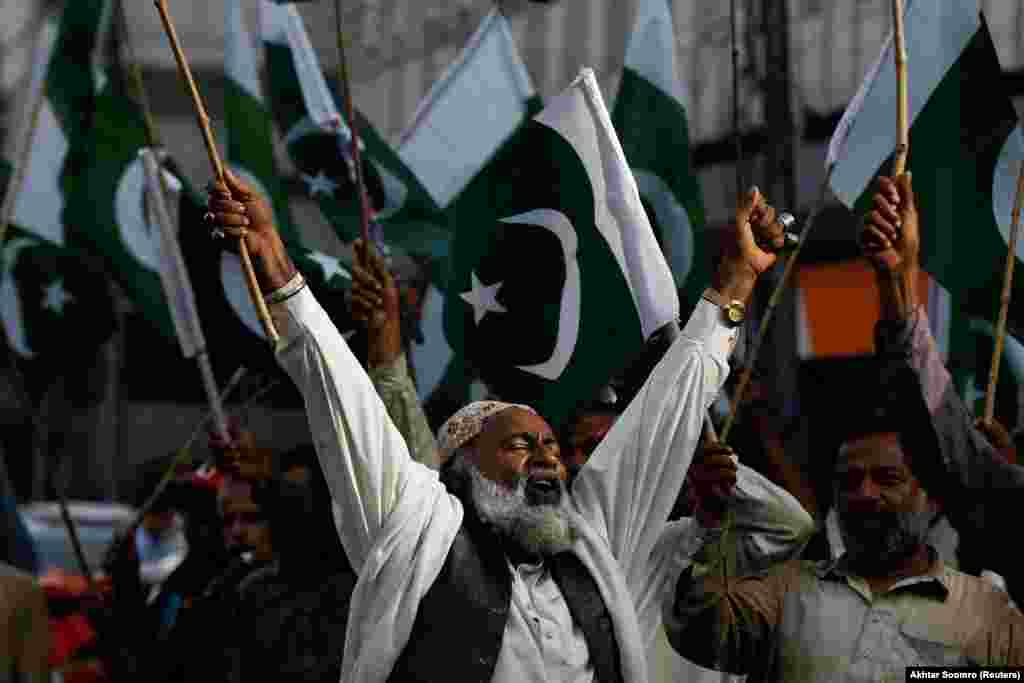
(733, 311)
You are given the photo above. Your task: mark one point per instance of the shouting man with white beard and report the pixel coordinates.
(489, 570)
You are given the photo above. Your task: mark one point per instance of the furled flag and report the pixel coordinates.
(319, 144)
(558, 279)
(251, 155)
(966, 150)
(650, 118)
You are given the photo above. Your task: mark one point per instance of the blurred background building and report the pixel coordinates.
(800, 63)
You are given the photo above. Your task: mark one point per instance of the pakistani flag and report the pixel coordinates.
(965, 150)
(106, 210)
(251, 155)
(49, 294)
(558, 279)
(650, 118)
(319, 144)
(58, 109)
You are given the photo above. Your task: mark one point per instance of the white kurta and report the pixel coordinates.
(397, 521)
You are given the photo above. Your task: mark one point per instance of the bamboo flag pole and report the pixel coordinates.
(185, 451)
(899, 162)
(346, 92)
(1004, 301)
(217, 164)
(134, 73)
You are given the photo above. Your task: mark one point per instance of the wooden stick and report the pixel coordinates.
(218, 167)
(346, 92)
(899, 162)
(1004, 301)
(184, 452)
(135, 80)
(773, 302)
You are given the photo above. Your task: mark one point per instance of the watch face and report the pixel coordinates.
(735, 314)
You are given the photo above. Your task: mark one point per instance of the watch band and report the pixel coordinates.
(714, 297)
(733, 312)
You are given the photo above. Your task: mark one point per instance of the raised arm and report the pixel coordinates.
(627, 488)
(959, 462)
(364, 458)
(375, 302)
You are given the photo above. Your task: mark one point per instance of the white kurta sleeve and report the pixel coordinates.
(365, 460)
(627, 488)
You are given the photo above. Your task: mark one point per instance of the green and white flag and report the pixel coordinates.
(475, 108)
(965, 150)
(251, 155)
(483, 98)
(319, 144)
(558, 279)
(61, 88)
(650, 118)
(106, 211)
(50, 293)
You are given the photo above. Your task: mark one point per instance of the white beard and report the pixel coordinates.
(542, 530)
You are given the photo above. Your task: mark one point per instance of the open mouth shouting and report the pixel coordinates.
(543, 490)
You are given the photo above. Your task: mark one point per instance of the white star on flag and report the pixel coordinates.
(320, 184)
(483, 298)
(330, 265)
(56, 298)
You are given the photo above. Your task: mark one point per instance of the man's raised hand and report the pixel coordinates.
(375, 302)
(889, 235)
(712, 478)
(749, 249)
(237, 210)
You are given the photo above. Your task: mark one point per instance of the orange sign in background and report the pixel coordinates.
(837, 307)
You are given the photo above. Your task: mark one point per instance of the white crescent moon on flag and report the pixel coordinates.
(1004, 185)
(10, 301)
(569, 316)
(677, 239)
(140, 238)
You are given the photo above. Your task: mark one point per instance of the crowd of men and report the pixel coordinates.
(629, 546)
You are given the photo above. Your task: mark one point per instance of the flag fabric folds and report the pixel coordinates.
(650, 119)
(557, 276)
(966, 149)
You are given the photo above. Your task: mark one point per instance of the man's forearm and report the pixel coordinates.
(897, 291)
(274, 269)
(771, 526)
(396, 390)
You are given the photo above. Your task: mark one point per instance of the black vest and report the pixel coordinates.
(461, 620)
